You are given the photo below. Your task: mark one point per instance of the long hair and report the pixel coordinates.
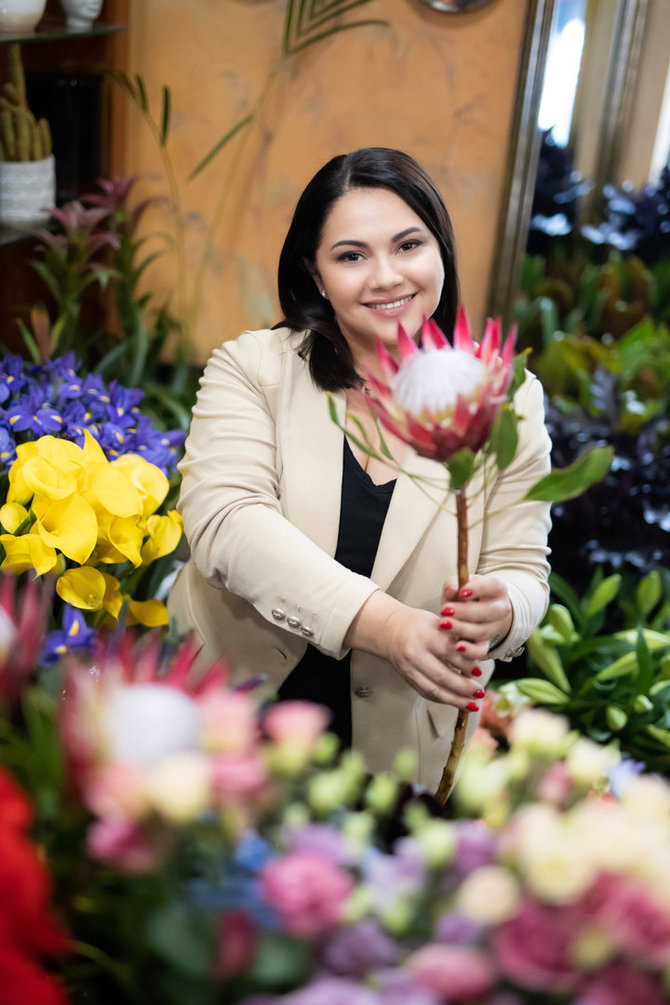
(325, 347)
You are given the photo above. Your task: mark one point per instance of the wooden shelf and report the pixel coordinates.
(57, 31)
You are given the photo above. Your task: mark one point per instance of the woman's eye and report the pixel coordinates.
(350, 256)
(409, 245)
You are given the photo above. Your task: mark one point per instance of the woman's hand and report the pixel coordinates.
(476, 617)
(418, 649)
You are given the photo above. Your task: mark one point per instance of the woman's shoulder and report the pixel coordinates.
(262, 352)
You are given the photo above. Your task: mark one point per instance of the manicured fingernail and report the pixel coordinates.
(466, 593)
(460, 648)
(449, 611)
(478, 693)
(472, 706)
(445, 624)
(476, 672)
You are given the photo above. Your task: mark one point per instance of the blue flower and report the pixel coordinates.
(11, 377)
(75, 634)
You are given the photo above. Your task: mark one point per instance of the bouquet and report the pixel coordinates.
(204, 848)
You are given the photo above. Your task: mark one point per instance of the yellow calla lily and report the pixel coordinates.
(26, 552)
(45, 479)
(113, 599)
(12, 515)
(150, 613)
(164, 535)
(120, 540)
(149, 480)
(92, 451)
(63, 454)
(109, 488)
(69, 525)
(83, 588)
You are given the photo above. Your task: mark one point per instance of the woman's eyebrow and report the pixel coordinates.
(362, 244)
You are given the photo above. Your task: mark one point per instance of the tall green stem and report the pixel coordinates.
(458, 739)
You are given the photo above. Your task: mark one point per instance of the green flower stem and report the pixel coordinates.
(458, 739)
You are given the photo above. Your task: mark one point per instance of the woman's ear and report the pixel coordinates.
(314, 273)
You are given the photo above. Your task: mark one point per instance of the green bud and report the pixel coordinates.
(604, 594)
(649, 592)
(560, 618)
(357, 830)
(542, 691)
(328, 791)
(616, 718)
(296, 815)
(626, 664)
(548, 660)
(405, 765)
(398, 917)
(381, 793)
(437, 840)
(326, 749)
(641, 704)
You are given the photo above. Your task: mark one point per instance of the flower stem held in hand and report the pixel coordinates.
(458, 739)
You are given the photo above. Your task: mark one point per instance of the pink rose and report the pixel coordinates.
(556, 785)
(122, 843)
(229, 721)
(296, 724)
(237, 775)
(237, 942)
(634, 920)
(115, 790)
(456, 973)
(620, 984)
(533, 948)
(308, 892)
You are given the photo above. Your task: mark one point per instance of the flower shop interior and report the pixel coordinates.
(162, 837)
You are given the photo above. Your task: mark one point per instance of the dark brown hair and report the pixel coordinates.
(325, 347)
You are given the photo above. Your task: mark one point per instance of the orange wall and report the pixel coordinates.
(440, 86)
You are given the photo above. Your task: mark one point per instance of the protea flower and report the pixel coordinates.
(440, 399)
(443, 400)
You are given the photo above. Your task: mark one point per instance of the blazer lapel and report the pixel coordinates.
(311, 446)
(413, 508)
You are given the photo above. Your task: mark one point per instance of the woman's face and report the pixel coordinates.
(380, 265)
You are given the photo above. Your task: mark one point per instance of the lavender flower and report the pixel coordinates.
(353, 952)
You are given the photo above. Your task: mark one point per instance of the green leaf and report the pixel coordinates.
(504, 438)
(603, 595)
(616, 718)
(219, 145)
(165, 116)
(541, 691)
(566, 483)
(626, 664)
(184, 938)
(460, 468)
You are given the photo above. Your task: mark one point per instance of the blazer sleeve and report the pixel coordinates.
(230, 503)
(514, 542)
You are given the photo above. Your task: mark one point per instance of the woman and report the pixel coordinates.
(316, 564)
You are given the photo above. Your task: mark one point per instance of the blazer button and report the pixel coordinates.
(363, 691)
(293, 622)
(277, 614)
(307, 632)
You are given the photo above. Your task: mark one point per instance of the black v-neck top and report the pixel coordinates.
(363, 508)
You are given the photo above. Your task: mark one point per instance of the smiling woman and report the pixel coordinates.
(312, 564)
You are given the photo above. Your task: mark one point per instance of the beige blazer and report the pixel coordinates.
(260, 500)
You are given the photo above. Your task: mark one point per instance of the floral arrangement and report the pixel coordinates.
(204, 848)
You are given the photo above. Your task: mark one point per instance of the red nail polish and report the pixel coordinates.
(466, 593)
(476, 672)
(445, 624)
(472, 706)
(449, 611)
(478, 693)
(460, 648)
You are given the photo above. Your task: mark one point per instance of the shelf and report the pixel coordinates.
(57, 31)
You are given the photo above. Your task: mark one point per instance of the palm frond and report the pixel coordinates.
(309, 21)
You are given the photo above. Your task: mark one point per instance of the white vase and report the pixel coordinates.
(27, 191)
(80, 14)
(19, 16)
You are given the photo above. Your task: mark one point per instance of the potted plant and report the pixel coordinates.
(27, 171)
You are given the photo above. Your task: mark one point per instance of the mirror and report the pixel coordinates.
(590, 50)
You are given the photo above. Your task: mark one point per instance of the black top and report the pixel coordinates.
(363, 508)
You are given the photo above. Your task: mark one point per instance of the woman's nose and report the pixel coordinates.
(385, 272)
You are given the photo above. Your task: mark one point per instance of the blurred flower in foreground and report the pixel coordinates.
(22, 623)
(28, 933)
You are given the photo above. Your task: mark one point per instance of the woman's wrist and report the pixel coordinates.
(369, 629)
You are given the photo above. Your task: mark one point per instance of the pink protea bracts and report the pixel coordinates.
(440, 399)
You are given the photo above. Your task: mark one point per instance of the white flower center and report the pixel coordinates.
(146, 721)
(432, 380)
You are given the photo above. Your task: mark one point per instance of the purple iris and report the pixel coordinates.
(75, 634)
